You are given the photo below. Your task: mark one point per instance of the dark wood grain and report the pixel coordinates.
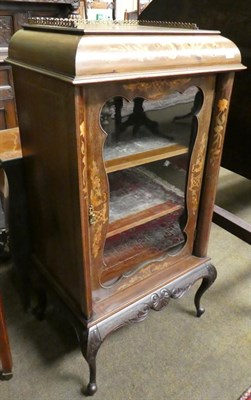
(5, 353)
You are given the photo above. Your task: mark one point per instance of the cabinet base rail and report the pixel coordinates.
(92, 337)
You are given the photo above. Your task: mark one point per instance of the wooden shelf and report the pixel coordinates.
(141, 218)
(138, 196)
(139, 244)
(146, 157)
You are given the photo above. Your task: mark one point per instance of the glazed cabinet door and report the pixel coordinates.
(147, 143)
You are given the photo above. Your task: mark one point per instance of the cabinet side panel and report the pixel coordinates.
(214, 152)
(46, 109)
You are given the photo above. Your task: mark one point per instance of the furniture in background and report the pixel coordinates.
(116, 227)
(134, 14)
(13, 14)
(232, 223)
(131, 15)
(100, 10)
(142, 4)
(7, 98)
(5, 352)
(233, 19)
(11, 162)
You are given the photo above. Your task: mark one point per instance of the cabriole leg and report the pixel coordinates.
(207, 281)
(92, 385)
(90, 341)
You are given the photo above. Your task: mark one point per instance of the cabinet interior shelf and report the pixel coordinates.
(141, 218)
(146, 157)
(138, 196)
(142, 243)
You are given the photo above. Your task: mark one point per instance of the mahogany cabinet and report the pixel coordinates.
(121, 148)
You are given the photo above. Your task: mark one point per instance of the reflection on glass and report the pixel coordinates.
(147, 200)
(143, 125)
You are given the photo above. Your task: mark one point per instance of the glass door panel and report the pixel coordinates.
(141, 131)
(146, 156)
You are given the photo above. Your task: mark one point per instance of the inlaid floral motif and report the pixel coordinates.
(219, 129)
(222, 105)
(156, 88)
(196, 174)
(83, 158)
(98, 200)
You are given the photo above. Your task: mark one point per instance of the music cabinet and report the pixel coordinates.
(122, 128)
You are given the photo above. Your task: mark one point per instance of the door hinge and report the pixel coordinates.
(91, 215)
